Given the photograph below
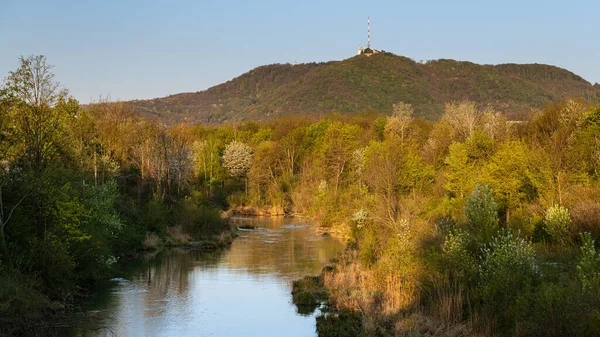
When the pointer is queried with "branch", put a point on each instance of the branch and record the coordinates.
(13, 209)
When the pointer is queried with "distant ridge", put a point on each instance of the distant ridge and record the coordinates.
(361, 84)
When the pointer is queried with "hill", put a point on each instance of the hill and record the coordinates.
(360, 84)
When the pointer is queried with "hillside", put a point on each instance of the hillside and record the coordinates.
(374, 83)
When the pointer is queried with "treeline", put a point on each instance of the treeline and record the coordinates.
(81, 190)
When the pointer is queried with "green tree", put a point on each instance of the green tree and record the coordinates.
(508, 173)
(462, 172)
(38, 123)
(482, 212)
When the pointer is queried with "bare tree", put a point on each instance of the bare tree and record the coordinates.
(402, 116)
(462, 117)
(494, 124)
(34, 84)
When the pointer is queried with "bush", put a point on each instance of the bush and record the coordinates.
(308, 293)
(342, 324)
(557, 223)
(588, 267)
(482, 212)
(22, 304)
(508, 269)
(199, 220)
(156, 216)
(456, 254)
(586, 218)
(445, 225)
(557, 310)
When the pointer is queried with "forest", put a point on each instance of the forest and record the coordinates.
(359, 84)
(470, 225)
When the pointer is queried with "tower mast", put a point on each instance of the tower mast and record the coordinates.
(369, 32)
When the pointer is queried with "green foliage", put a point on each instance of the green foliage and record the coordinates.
(22, 303)
(457, 256)
(508, 268)
(340, 324)
(557, 310)
(101, 180)
(482, 212)
(588, 267)
(360, 84)
(308, 293)
(557, 221)
(368, 245)
(461, 172)
(199, 220)
(156, 216)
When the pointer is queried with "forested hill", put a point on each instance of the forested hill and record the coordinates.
(361, 83)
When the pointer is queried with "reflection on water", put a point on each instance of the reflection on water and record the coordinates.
(242, 291)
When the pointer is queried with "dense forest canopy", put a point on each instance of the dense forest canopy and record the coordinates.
(472, 223)
(372, 84)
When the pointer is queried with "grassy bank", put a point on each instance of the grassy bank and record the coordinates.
(467, 277)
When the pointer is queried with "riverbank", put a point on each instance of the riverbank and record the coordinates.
(191, 292)
(33, 311)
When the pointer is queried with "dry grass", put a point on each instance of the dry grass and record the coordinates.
(586, 217)
(152, 241)
(369, 289)
(178, 235)
(226, 237)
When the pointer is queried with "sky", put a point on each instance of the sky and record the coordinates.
(125, 49)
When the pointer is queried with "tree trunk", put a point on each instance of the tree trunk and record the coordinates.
(3, 249)
(95, 170)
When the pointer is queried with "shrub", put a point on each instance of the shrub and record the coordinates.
(556, 310)
(586, 218)
(557, 223)
(482, 211)
(152, 241)
(508, 269)
(342, 324)
(361, 218)
(308, 293)
(588, 267)
(199, 220)
(22, 304)
(156, 216)
(445, 225)
(456, 254)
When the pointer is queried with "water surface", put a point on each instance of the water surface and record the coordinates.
(241, 291)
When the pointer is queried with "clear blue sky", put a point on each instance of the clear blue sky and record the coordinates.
(144, 49)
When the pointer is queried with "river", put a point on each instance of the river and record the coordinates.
(244, 290)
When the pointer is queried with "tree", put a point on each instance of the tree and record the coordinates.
(34, 84)
(494, 124)
(237, 158)
(462, 171)
(38, 124)
(392, 169)
(400, 120)
(508, 173)
(462, 117)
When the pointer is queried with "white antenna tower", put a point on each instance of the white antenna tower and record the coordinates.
(369, 32)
